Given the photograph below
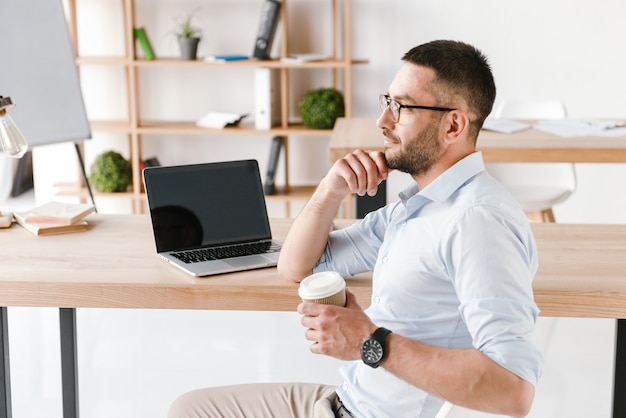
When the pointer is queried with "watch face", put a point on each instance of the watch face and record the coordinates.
(371, 351)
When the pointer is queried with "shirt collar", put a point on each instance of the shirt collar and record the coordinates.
(449, 181)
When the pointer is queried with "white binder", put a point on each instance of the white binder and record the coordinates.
(266, 98)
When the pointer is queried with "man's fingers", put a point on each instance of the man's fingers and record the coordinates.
(364, 171)
(351, 300)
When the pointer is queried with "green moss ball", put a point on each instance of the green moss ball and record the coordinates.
(110, 172)
(320, 108)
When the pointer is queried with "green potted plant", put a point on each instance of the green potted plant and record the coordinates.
(320, 108)
(110, 172)
(188, 37)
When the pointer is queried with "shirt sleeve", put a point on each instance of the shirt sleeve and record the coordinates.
(491, 259)
(354, 249)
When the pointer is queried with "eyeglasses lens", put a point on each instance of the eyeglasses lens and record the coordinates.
(385, 101)
(382, 102)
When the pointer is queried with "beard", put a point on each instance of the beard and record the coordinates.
(419, 154)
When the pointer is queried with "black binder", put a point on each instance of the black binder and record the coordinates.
(269, 187)
(267, 29)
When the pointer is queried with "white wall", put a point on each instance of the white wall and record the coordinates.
(566, 50)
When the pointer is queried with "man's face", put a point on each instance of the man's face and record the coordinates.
(418, 153)
(413, 143)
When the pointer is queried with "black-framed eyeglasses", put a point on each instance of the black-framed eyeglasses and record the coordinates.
(385, 101)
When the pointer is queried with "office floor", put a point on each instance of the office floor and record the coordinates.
(133, 363)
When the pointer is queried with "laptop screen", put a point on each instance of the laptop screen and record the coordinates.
(206, 204)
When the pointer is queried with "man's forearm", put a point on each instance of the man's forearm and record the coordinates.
(464, 377)
(308, 235)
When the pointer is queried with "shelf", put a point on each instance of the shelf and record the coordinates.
(244, 128)
(72, 189)
(138, 70)
(116, 126)
(294, 193)
(75, 189)
(252, 63)
(304, 193)
(101, 60)
(190, 128)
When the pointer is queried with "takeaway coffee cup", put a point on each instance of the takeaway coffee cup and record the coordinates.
(327, 287)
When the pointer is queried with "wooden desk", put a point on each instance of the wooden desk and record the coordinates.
(526, 146)
(124, 271)
(582, 273)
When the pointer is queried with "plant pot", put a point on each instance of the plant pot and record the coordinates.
(188, 48)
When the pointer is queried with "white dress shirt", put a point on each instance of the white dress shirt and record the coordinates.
(452, 267)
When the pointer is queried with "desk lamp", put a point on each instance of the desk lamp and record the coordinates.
(13, 142)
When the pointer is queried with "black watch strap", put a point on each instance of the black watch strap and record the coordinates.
(380, 334)
(373, 348)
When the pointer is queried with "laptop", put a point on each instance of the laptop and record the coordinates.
(210, 218)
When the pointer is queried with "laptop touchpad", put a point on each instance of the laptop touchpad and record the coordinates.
(250, 260)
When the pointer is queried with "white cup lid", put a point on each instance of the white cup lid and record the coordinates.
(321, 285)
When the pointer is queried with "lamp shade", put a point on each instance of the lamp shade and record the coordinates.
(13, 142)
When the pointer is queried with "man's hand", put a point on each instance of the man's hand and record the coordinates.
(336, 331)
(359, 172)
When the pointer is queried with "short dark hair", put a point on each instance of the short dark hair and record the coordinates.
(461, 71)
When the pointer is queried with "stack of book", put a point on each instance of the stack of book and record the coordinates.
(55, 218)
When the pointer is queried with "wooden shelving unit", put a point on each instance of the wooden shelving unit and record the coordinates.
(136, 128)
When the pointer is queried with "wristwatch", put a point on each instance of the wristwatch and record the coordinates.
(373, 347)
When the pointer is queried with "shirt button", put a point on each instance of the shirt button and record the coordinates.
(377, 299)
(384, 259)
(345, 387)
(404, 223)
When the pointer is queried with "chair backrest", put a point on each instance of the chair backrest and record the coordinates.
(529, 176)
(530, 109)
(449, 410)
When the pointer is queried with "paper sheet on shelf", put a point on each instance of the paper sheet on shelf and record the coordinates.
(301, 58)
(582, 127)
(220, 120)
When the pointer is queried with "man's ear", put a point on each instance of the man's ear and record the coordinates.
(457, 124)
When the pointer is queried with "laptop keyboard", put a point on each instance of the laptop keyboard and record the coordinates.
(229, 251)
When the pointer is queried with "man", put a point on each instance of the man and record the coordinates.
(452, 315)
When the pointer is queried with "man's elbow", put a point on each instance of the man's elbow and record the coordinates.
(521, 400)
(288, 273)
(512, 397)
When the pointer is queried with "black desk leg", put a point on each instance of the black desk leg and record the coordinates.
(5, 370)
(619, 378)
(69, 365)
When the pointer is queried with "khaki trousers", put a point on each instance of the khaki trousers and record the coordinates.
(262, 400)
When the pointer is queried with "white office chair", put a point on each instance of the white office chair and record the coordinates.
(449, 410)
(536, 186)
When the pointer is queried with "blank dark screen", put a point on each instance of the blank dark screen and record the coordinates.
(206, 204)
